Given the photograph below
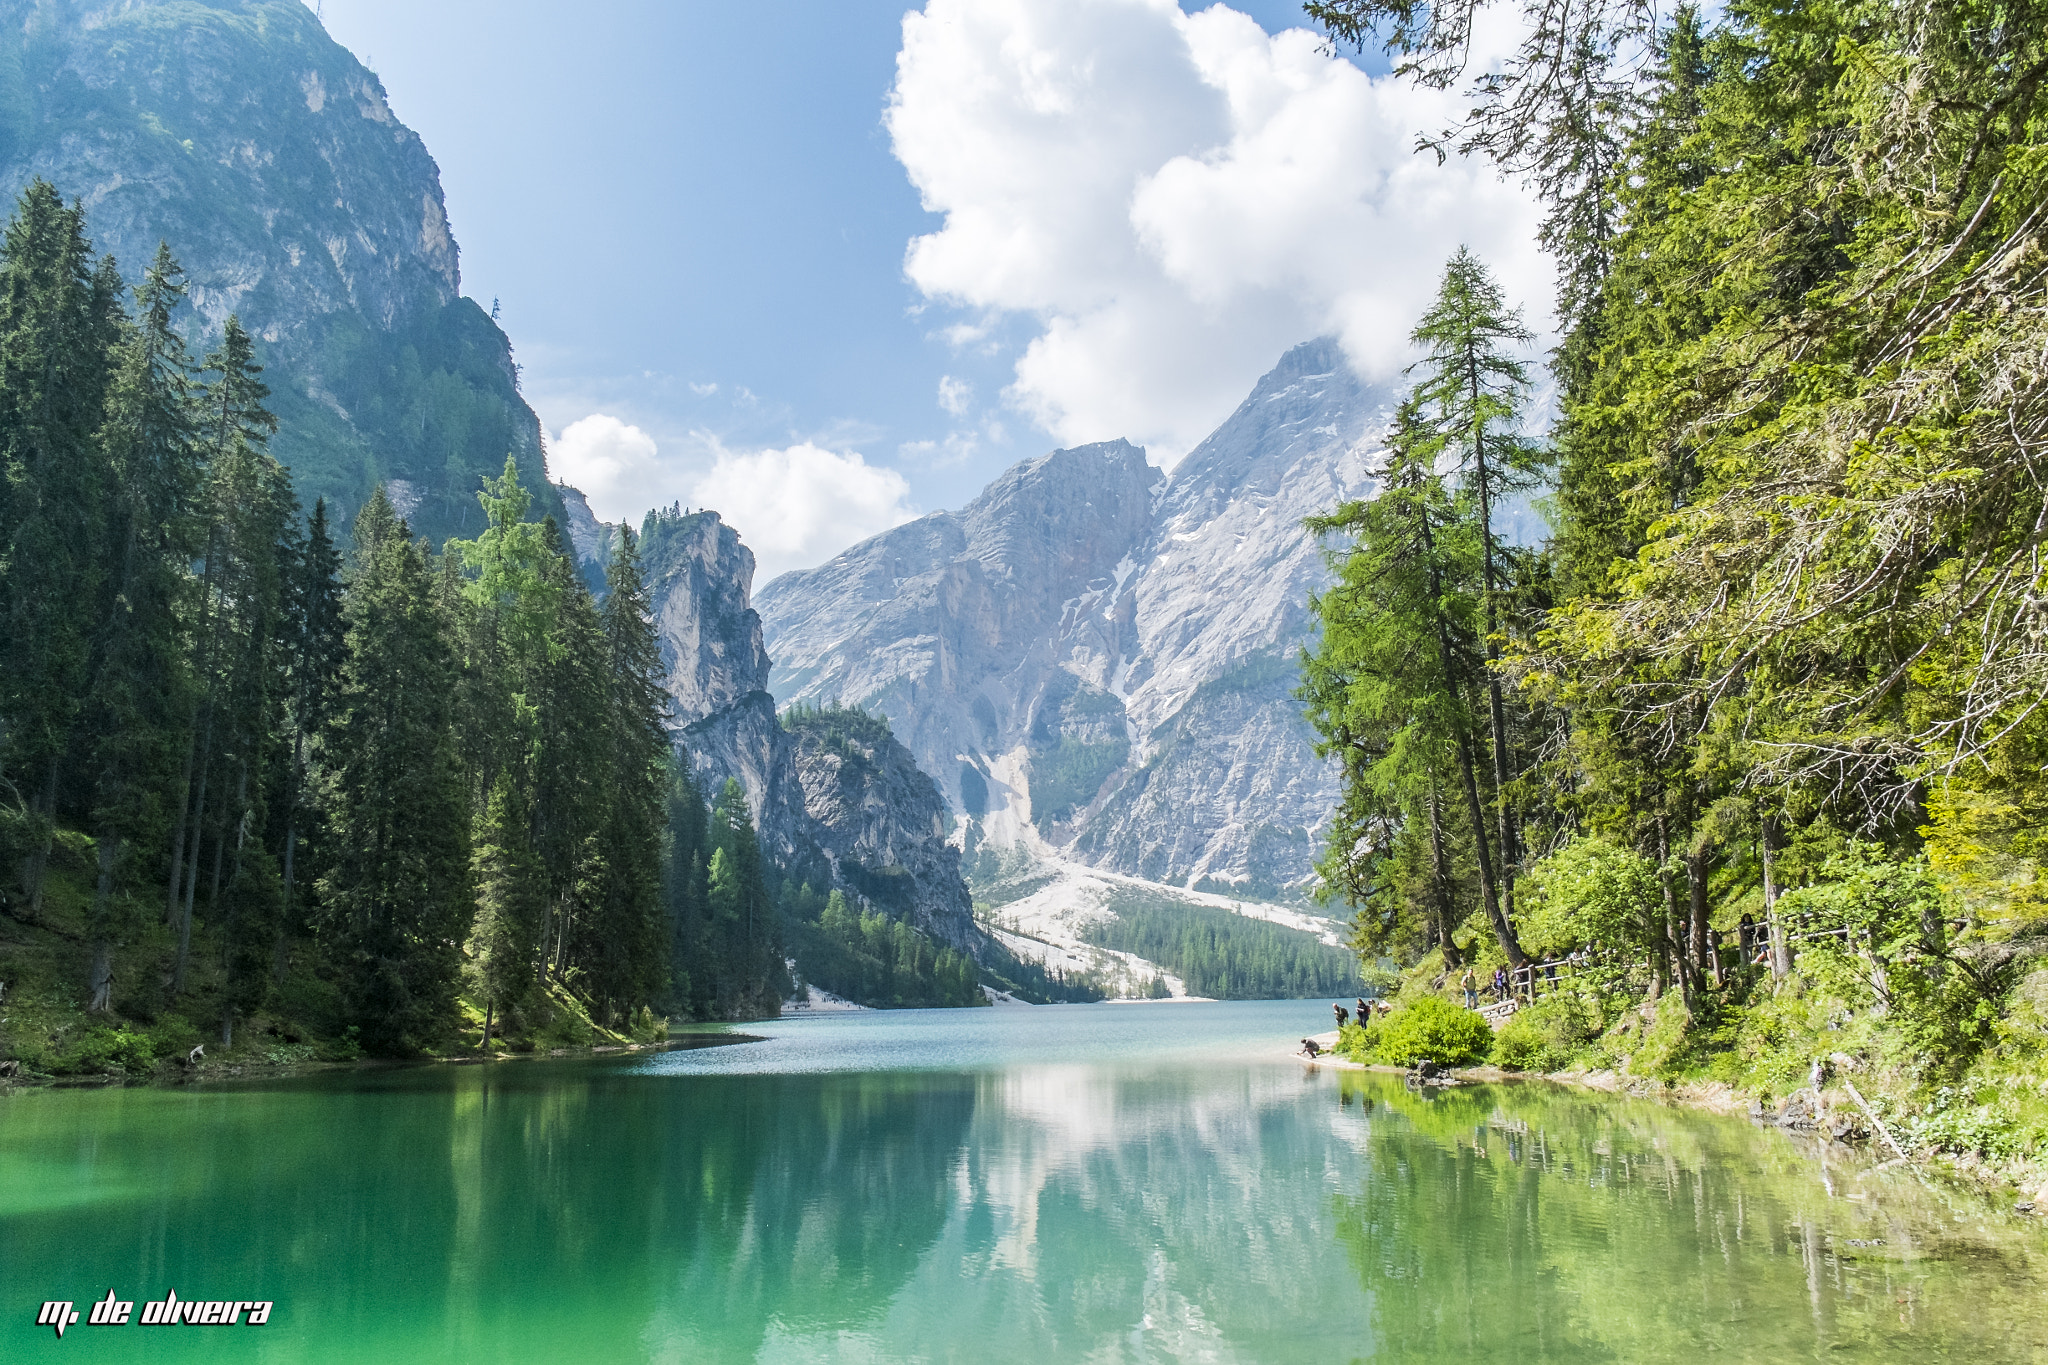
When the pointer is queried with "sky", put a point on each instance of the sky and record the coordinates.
(831, 264)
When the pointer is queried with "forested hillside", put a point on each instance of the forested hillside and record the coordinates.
(1761, 726)
(370, 796)
(242, 133)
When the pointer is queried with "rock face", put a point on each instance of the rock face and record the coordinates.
(878, 823)
(837, 799)
(268, 158)
(1096, 660)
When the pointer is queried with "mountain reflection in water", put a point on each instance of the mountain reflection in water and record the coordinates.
(1099, 1183)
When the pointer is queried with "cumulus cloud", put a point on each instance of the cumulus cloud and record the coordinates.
(955, 394)
(614, 463)
(800, 506)
(793, 507)
(1177, 199)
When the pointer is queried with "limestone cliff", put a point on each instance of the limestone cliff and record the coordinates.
(1096, 660)
(837, 799)
(269, 159)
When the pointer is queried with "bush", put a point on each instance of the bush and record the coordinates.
(1354, 1043)
(105, 1051)
(1432, 1028)
(1548, 1035)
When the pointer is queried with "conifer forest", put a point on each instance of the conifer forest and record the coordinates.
(386, 796)
(1749, 750)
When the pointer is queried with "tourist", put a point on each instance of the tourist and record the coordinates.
(1471, 985)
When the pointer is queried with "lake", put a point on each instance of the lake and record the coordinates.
(1077, 1183)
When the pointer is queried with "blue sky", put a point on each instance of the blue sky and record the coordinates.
(696, 221)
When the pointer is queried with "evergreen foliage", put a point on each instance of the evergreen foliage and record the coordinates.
(1224, 955)
(1775, 681)
(397, 800)
(862, 954)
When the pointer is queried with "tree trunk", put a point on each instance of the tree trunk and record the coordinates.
(1510, 852)
(1673, 948)
(1503, 927)
(1706, 961)
(291, 848)
(1781, 947)
(39, 861)
(1440, 889)
(100, 985)
(178, 829)
(205, 762)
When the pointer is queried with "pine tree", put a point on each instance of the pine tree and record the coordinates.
(1395, 682)
(685, 895)
(1470, 398)
(623, 946)
(504, 944)
(58, 316)
(396, 902)
(139, 688)
(249, 506)
(746, 943)
(314, 652)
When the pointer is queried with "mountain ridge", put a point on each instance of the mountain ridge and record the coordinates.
(1133, 711)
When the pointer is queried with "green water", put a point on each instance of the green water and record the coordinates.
(1087, 1183)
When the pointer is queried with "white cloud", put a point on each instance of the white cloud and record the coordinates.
(1177, 199)
(955, 394)
(793, 507)
(800, 506)
(614, 464)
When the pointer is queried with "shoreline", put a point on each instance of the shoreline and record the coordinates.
(1717, 1097)
(213, 1073)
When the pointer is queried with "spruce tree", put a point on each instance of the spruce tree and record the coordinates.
(314, 651)
(139, 686)
(57, 320)
(623, 946)
(1469, 399)
(396, 903)
(249, 507)
(509, 902)
(1396, 685)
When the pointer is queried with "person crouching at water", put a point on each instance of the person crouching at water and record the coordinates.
(1471, 985)
(1311, 1048)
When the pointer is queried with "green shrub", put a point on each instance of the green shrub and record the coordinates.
(107, 1051)
(1354, 1043)
(1548, 1035)
(1432, 1028)
(649, 1027)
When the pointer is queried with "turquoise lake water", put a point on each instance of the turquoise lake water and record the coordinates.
(1080, 1183)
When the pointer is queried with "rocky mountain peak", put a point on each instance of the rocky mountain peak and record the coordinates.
(700, 577)
(1096, 660)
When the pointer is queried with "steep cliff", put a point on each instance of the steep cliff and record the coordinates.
(1095, 660)
(837, 799)
(876, 824)
(268, 158)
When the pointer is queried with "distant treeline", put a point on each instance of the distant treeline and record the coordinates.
(1228, 956)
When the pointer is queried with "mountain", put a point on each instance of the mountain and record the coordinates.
(269, 159)
(1096, 660)
(838, 801)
